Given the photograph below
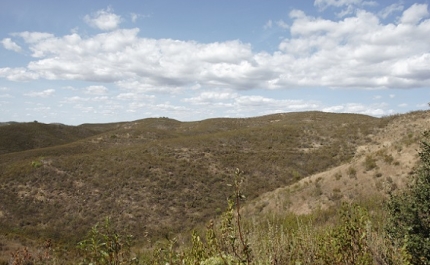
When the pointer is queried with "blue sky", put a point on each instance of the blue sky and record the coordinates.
(97, 61)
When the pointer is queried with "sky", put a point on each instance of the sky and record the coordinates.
(76, 62)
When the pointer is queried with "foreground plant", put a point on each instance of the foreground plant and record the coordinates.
(223, 245)
(409, 222)
(104, 245)
(23, 256)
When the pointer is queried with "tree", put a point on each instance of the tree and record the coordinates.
(409, 212)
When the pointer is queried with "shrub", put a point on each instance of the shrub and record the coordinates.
(348, 242)
(369, 163)
(409, 219)
(104, 245)
(352, 172)
(338, 175)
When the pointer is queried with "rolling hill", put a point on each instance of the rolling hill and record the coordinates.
(158, 177)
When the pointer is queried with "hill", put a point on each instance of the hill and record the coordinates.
(382, 165)
(17, 137)
(157, 177)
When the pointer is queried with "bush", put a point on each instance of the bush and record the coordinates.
(369, 163)
(347, 243)
(106, 246)
(409, 220)
(352, 173)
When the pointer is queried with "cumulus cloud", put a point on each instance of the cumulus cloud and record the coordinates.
(34, 37)
(414, 14)
(18, 74)
(45, 93)
(96, 90)
(8, 44)
(103, 19)
(357, 51)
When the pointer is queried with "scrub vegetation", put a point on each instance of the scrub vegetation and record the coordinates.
(315, 188)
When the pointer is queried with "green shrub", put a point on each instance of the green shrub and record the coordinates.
(105, 245)
(348, 242)
(409, 219)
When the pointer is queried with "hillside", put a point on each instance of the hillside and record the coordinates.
(157, 177)
(16, 137)
(384, 164)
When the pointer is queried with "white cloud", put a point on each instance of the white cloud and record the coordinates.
(357, 51)
(373, 110)
(8, 44)
(208, 97)
(414, 14)
(74, 99)
(96, 90)
(387, 11)
(134, 96)
(282, 24)
(33, 37)
(18, 74)
(45, 93)
(103, 19)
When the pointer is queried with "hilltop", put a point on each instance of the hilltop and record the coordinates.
(158, 177)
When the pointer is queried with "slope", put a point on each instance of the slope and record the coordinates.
(382, 165)
(16, 137)
(157, 177)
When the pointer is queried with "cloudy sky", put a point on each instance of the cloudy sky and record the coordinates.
(100, 61)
